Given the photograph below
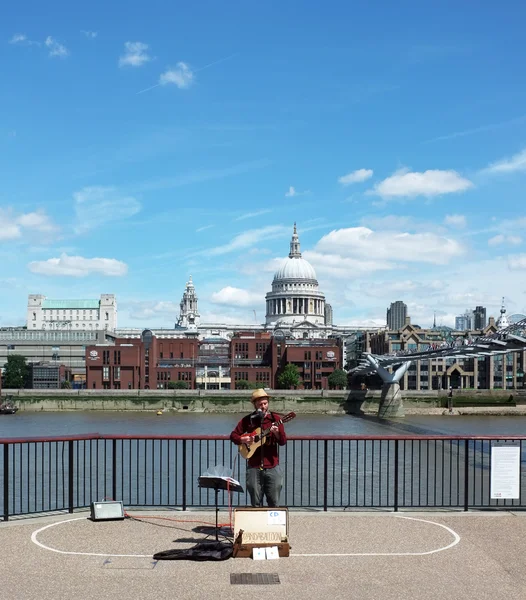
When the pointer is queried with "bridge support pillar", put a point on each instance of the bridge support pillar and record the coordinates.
(391, 404)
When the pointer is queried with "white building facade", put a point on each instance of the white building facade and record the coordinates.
(72, 315)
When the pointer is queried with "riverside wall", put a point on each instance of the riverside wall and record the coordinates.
(283, 401)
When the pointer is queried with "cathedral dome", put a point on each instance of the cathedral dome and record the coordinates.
(295, 268)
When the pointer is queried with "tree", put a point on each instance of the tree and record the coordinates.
(338, 379)
(177, 385)
(65, 385)
(289, 377)
(241, 384)
(16, 372)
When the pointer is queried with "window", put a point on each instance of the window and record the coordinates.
(116, 373)
(105, 357)
(307, 355)
(116, 357)
(105, 373)
(107, 316)
(34, 316)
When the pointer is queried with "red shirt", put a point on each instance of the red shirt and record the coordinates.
(269, 446)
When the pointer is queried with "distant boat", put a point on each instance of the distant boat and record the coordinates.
(7, 408)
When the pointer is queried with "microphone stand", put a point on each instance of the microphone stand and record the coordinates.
(259, 416)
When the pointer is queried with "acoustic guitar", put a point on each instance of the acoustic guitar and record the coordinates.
(259, 436)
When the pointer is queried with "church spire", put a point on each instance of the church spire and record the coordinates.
(295, 245)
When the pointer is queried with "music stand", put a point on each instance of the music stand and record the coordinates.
(219, 482)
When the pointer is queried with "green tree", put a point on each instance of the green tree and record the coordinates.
(16, 372)
(289, 377)
(66, 385)
(177, 385)
(338, 379)
(241, 384)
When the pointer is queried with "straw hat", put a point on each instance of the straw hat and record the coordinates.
(257, 394)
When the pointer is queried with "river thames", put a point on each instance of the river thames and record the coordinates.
(30, 424)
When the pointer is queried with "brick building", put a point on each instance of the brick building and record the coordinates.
(251, 361)
(147, 362)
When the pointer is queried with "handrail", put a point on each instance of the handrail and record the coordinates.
(111, 436)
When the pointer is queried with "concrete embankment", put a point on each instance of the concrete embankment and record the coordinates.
(465, 402)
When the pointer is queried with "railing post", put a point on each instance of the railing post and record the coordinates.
(114, 469)
(396, 476)
(184, 474)
(71, 473)
(466, 475)
(325, 473)
(6, 482)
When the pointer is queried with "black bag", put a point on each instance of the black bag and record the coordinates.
(200, 552)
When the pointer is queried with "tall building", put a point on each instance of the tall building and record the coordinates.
(72, 315)
(328, 314)
(479, 317)
(396, 315)
(465, 321)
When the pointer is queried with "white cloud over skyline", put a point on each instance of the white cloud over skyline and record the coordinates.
(233, 296)
(429, 183)
(97, 205)
(78, 266)
(356, 176)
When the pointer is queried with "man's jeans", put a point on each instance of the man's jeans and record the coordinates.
(264, 483)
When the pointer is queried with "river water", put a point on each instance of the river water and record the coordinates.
(44, 424)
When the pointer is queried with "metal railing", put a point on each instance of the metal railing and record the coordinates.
(328, 472)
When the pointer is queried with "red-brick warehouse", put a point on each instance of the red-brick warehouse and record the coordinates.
(145, 363)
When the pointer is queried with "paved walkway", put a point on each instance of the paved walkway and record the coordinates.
(377, 556)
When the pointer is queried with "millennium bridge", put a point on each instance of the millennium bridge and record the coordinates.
(392, 367)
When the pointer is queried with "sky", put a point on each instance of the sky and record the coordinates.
(141, 144)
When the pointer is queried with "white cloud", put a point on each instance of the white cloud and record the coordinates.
(455, 220)
(249, 238)
(97, 205)
(78, 266)
(18, 38)
(429, 183)
(147, 310)
(253, 214)
(363, 243)
(135, 55)
(204, 228)
(335, 265)
(499, 239)
(233, 296)
(509, 165)
(90, 34)
(22, 40)
(13, 226)
(291, 193)
(38, 221)
(182, 76)
(517, 262)
(56, 49)
(356, 176)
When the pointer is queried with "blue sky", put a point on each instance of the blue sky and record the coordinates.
(143, 143)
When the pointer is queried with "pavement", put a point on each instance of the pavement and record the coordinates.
(352, 555)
